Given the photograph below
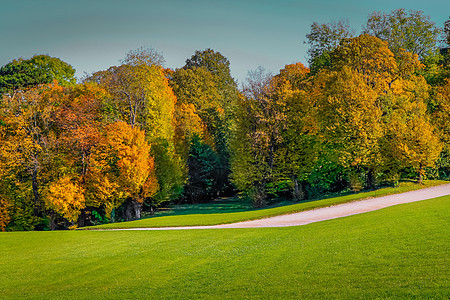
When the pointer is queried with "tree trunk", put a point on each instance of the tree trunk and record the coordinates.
(132, 210)
(420, 174)
(113, 216)
(34, 184)
(370, 179)
(298, 193)
(259, 195)
(52, 223)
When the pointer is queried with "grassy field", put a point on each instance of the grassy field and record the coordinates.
(223, 213)
(400, 252)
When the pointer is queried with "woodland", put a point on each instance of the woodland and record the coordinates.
(372, 108)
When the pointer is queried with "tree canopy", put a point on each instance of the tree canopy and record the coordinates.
(40, 69)
(409, 30)
(370, 110)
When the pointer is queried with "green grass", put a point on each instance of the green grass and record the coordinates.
(219, 213)
(400, 252)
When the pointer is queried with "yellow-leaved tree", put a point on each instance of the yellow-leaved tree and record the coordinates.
(5, 216)
(410, 139)
(121, 170)
(187, 124)
(66, 197)
(259, 122)
(297, 153)
(350, 122)
(141, 96)
(360, 94)
(27, 150)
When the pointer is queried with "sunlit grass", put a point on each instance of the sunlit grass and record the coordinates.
(400, 252)
(212, 214)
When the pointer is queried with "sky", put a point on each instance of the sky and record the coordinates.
(92, 35)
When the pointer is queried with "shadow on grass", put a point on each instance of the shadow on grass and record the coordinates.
(239, 204)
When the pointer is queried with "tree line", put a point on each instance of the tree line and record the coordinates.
(371, 109)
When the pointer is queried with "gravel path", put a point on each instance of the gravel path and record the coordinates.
(326, 213)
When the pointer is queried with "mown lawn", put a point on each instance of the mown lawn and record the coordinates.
(214, 214)
(400, 252)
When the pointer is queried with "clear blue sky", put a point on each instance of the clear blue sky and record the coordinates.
(93, 35)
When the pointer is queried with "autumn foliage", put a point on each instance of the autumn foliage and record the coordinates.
(5, 217)
(121, 168)
(370, 110)
(66, 198)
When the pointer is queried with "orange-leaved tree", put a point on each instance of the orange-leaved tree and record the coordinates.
(141, 96)
(79, 120)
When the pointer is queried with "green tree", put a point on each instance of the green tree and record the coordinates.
(198, 86)
(40, 69)
(324, 38)
(447, 31)
(202, 173)
(218, 65)
(259, 120)
(441, 120)
(205, 82)
(412, 31)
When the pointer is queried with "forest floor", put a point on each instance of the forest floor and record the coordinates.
(327, 213)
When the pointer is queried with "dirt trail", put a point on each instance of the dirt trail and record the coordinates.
(326, 213)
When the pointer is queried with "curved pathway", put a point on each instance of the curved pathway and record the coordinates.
(331, 212)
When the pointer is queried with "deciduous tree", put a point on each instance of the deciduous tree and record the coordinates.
(440, 118)
(412, 31)
(5, 216)
(21, 74)
(29, 137)
(80, 118)
(447, 31)
(122, 169)
(296, 156)
(66, 197)
(205, 82)
(143, 98)
(258, 124)
(372, 59)
(410, 138)
(323, 39)
(350, 120)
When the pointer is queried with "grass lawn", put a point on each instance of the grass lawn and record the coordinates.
(399, 252)
(212, 214)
